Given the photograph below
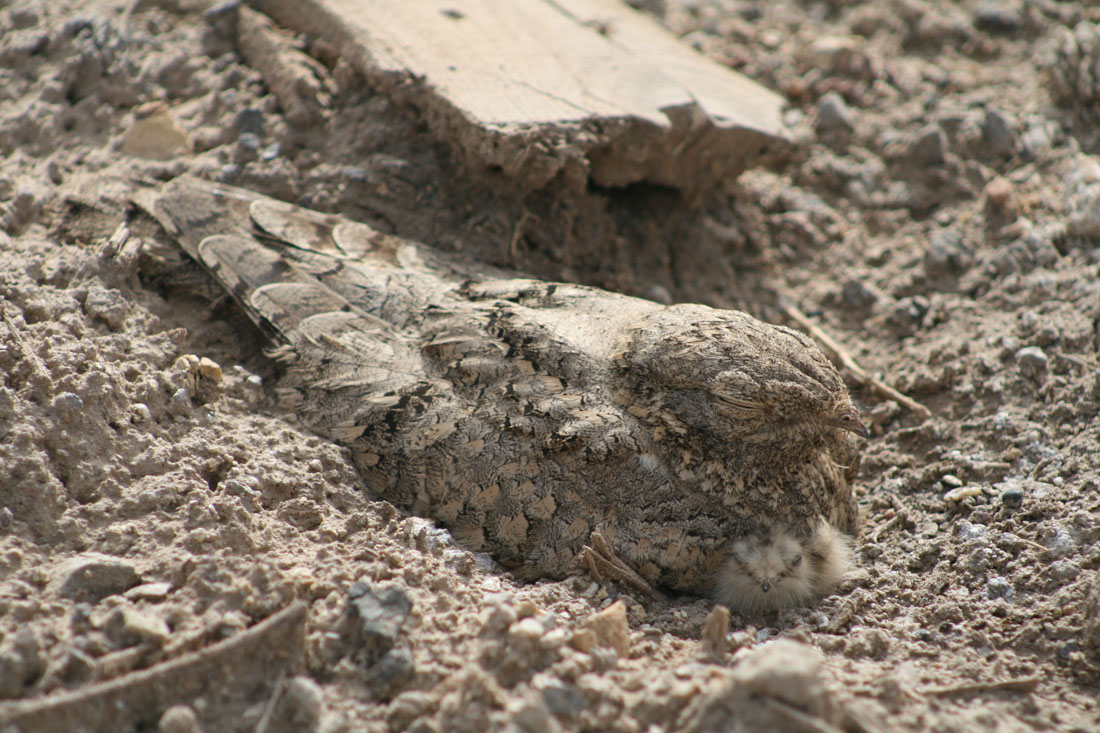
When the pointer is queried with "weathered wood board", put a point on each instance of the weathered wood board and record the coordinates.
(584, 89)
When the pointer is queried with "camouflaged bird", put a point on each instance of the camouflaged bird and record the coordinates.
(541, 421)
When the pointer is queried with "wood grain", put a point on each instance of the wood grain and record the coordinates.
(582, 89)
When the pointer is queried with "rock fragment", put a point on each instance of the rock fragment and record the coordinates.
(715, 629)
(780, 686)
(929, 146)
(833, 114)
(296, 706)
(999, 131)
(1033, 362)
(179, 719)
(107, 305)
(1076, 69)
(375, 617)
(156, 136)
(611, 628)
(126, 626)
(92, 577)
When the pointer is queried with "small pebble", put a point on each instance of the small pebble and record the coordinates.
(858, 293)
(22, 18)
(1012, 497)
(529, 629)
(969, 531)
(913, 308)
(997, 17)
(998, 129)
(585, 640)
(140, 413)
(768, 38)
(1033, 362)
(929, 145)
(91, 577)
(1047, 335)
(178, 719)
(356, 173)
(962, 492)
(249, 141)
(302, 705)
(149, 592)
(1060, 543)
(928, 529)
(658, 294)
(998, 587)
(951, 481)
(833, 114)
(6, 517)
(54, 173)
(998, 192)
(126, 626)
(611, 628)
(1035, 141)
(870, 550)
(250, 122)
(375, 616)
(108, 305)
(979, 560)
(1064, 571)
(68, 401)
(217, 10)
(561, 699)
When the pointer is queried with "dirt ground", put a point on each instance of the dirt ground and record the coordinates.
(940, 219)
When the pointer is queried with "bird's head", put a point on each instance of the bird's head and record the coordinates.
(846, 417)
(765, 571)
(729, 376)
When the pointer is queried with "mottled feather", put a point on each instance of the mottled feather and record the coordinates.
(526, 415)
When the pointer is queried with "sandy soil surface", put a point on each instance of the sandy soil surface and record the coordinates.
(941, 221)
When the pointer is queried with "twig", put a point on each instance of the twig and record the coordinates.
(599, 560)
(883, 528)
(264, 725)
(1034, 545)
(1022, 684)
(845, 612)
(839, 354)
(226, 674)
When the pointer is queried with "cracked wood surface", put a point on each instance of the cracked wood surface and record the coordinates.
(583, 89)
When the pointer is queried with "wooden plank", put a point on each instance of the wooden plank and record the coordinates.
(578, 89)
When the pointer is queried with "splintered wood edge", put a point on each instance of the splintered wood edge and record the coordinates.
(633, 105)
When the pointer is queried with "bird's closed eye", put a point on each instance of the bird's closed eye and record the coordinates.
(850, 422)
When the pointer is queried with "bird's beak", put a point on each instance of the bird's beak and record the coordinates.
(852, 423)
(765, 586)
